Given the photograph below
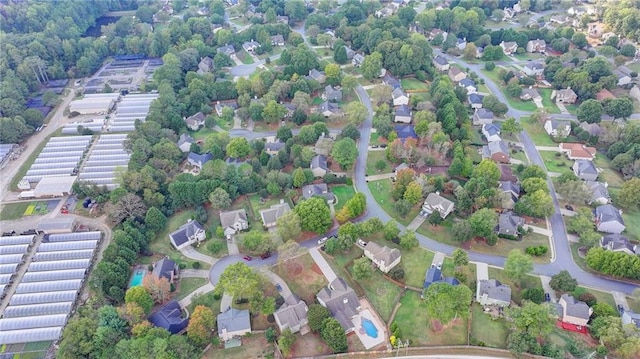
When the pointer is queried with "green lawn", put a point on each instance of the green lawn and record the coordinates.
(504, 246)
(632, 221)
(519, 104)
(602, 297)
(634, 304)
(492, 332)
(608, 174)
(343, 193)
(493, 75)
(201, 134)
(381, 293)
(188, 285)
(207, 300)
(516, 292)
(160, 244)
(572, 109)
(555, 163)
(415, 263)
(634, 67)
(576, 257)
(12, 211)
(414, 85)
(548, 104)
(537, 133)
(373, 157)
(415, 324)
(519, 155)
(308, 283)
(440, 233)
(382, 193)
(527, 56)
(246, 58)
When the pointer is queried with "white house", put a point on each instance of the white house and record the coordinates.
(187, 234)
(400, 97)
(385, 258)
(557, 128)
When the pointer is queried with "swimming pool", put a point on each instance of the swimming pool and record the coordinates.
(369, 328)
(136, 278)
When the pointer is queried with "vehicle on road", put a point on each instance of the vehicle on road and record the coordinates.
(569, 207)
(278, 287)
(322, 240)
(265, 255)
(620, 309)
(247, 258)
(547, 297)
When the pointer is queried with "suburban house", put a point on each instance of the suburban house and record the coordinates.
(578, 151)
(469, 85)
(593, 129)
(328, 109)
(618, 243)
(461, 44)
(323, 145)
(283, 19)
(170, 317)
(270, 215)
(165, 268)
(557, 128)
(187, 234)
(318, 190)
(536, 46)
(564, 96)
(492, 292)
(332, 94)
(585, 170)
(509, 224)
(506, 173)
(405, 131)
(482, 116)
(342, 302)
(533, 68)
(456, 75)
(250, 46)
(479, 52)
(437, 203)
(440, 63)
(292, 314)
(400, 167)
(227, 50)
(319, 166)
(185, 142)
(509, 47)
(435, 32)
(272, 148)
(402, 114)
(558, 19)
(573, 311)
(233, 221)
(596, 30)
(197, 160)
(317, 75)
(205, 65)
(629, 317)
(195, 122)
(357, 60)
(391, 81)
(220, 106)
(599, 192)
(434, 275)
(350, 52)
(399, 97)
(510, 192)
(475, 100)
(609, 219)
(233, 323)
(623, 78)
(497, 151)
(277, 40)
(385, 11)
(383, 257)
(530, 94)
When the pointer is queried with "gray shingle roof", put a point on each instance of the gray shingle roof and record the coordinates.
(608, 213)
(227, 219)
(474, 98)
(508, 223)
(271, 214)
(586, 167)
(383, 253)
(616, 242)
(319, 162)
(495, 290)
(170, 318)
(575, 308)
(484, 113)
(292, 313)
(508, 186)
(598, 189)
(403, 110)
(164, 268)
(234, 320)
(341, 300)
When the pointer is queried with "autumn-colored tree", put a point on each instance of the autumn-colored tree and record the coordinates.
(133, 313)
(140, 296)
(141, 329)
(159, 288)
(403, 178)
(200, 325)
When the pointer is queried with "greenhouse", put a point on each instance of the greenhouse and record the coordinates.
(14, 249)
(41, 321)
(76, 236)
(62, 255)
(53, 275)
(8, 268)
(42, 287)
(38, 309)
(30, 335)
(5, 278)
(67, 246)
(11, 258)
(23, 239)
(59, 265)
(37, 298)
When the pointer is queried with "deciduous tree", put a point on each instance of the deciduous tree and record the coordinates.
(534, 319)
(371, 66)
(155, 219)
(590, 111)
(238, 147)
(563, 282)
(286, 341)
(460, 257)
(362, 268)
(629, 195)
(219, 198)
(345, 152)
(409, 240)
(517, 266)
(140, 296)
(315, 215)
(483, 222)
(316, 316)
(333, 334)
(356, 112)
(159, 288)
(256, 242)
(239, 281)
(201, 324)
(289, 226)
(446, 302)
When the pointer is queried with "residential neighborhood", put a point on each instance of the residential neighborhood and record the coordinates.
(298, 179)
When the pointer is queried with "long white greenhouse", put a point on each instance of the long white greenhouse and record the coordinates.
(60, 156)
(11, 258)
(75, 236)
(37, 309)
(53, 275)
(41, 321)
(14, 249)
(62, 255)
(59, 265)
(67, 246)
(4, 278)
(8, 268)
(37, 298)
(33, 335)
(22, 239)
(57, 286)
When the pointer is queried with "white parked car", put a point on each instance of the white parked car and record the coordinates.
(322, 240)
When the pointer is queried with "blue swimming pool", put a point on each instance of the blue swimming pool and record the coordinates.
(136, 279)
(369, 328)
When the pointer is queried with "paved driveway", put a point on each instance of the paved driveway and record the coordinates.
(191, 252)
(322, 263)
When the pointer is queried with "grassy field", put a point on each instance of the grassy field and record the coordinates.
(521, 105)
(245, 58)
(493, 75)
(415, 324)
(602, 297)
(632, 221)
(554, 163)
(308, 283)
(382, 193)
(381, 293)
(634, 304)
(537, 133)
(414, 85)
(440, 233)
(516, 292)
(161, 243)
(415, 263)
(492, 332)
(12, 211)
(504, 246)
(373, 157)
(188, 285)
(608, 174)
(634, 67)
(548, 104)
(343, 193)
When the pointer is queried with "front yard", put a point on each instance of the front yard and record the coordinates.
(538, 135)
(529, 281)
(373, 157)
(381, 191)
(303, 276)
(414, 85)
(186, 286)
(504, 246)
(343, 193)
(556, 162)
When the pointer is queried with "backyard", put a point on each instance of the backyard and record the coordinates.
(538, 135)
(343, 194)
(414, 85)
(161, 243)
(415, 324)
(504, 246)
(373, 157)
(303, 276)
(529, 281)
(608, 174)
(13, 211)
(492, 332)
(556, 162)
(415, 263)
(382, 193)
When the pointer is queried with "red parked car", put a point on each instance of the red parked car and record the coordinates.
(247, 258)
